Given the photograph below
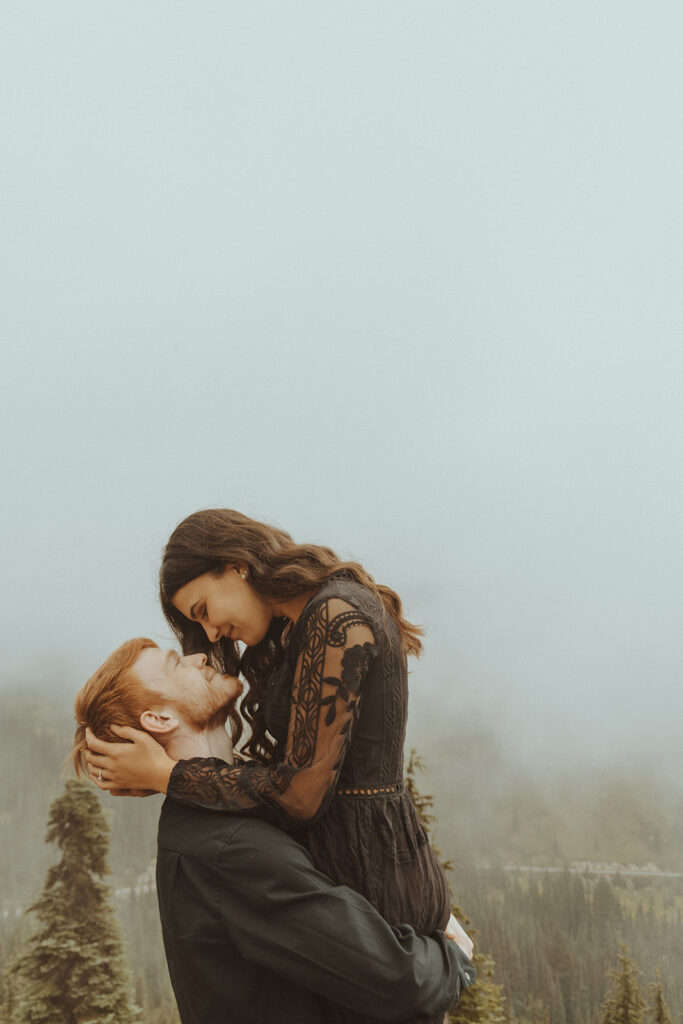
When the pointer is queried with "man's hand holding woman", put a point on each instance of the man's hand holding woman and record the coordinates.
(457, 934)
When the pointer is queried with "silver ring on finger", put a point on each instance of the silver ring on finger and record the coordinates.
(99, 775)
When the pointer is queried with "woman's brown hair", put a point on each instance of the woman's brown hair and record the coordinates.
(279, 569)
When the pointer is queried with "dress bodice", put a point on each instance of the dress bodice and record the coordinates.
(374, 757)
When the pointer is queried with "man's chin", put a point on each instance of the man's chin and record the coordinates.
(218, 718)
(201, 719)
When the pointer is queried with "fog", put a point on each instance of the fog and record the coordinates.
(402, 279)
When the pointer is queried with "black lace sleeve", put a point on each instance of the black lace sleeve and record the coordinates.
(336, 650)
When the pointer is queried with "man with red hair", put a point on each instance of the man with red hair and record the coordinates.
(253, 932)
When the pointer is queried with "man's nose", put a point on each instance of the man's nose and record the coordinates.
(200, 660)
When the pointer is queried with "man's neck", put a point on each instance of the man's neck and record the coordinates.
(186, 743)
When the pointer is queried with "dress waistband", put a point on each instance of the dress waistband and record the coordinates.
(368, 790)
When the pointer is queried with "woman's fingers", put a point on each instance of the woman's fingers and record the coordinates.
(137, 763)
(98, 778)
(98, 767)
(128, 732)
(98, 759)
(104, 759)
(109, 786)
(96, 745)
(104, 754)
(105, 785)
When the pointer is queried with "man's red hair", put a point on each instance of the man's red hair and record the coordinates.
(114, 695)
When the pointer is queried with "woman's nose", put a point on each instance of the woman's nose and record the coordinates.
(213, 633)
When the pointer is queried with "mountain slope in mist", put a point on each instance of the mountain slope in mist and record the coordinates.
(493, 805)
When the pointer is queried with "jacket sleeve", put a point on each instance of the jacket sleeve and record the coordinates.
(336, 652)
(282, 913)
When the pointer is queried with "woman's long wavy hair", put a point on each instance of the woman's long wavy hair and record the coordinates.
(279, 569)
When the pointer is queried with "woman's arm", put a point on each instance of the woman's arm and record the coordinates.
(336, 652)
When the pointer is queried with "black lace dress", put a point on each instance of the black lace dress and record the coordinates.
(337, 707)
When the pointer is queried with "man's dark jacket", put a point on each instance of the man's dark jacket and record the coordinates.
(254, 934)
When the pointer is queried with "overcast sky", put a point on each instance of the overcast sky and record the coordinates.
(402, 278)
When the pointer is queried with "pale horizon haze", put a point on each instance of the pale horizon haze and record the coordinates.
(403, 279)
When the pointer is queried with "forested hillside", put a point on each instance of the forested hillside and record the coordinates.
(493, 805)
(553, 937)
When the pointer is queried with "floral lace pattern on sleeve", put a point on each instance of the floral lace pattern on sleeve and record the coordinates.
(337, 649)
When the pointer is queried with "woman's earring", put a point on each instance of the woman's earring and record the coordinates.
(243, 574)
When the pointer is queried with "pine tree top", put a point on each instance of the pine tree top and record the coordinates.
(659, 1010)
(78, 826)
(624, 1003)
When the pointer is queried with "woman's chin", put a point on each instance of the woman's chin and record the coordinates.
(249, 641)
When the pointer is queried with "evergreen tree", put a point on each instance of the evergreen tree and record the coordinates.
(658, 1009)
(483, 1002)
(560, 961)
(72, 968)
(3, 984)
(624, 1003)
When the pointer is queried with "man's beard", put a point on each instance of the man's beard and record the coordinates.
(215, 719)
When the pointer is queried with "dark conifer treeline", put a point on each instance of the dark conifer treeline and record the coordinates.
(555, 937)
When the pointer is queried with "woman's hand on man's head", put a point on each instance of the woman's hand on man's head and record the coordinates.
(136, 767)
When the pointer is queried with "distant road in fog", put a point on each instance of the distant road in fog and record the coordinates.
(597, 869)
(146, 882)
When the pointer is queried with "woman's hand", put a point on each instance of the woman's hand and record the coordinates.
(141, 766)
(457, 934)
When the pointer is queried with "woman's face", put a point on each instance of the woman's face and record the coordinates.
(225, 606)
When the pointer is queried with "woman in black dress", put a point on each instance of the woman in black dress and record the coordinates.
(325, 661)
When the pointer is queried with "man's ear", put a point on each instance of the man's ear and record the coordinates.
(159, 723)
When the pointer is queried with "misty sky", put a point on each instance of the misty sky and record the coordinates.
(402, 278)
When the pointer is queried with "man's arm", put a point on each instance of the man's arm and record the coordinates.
(282, 913)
